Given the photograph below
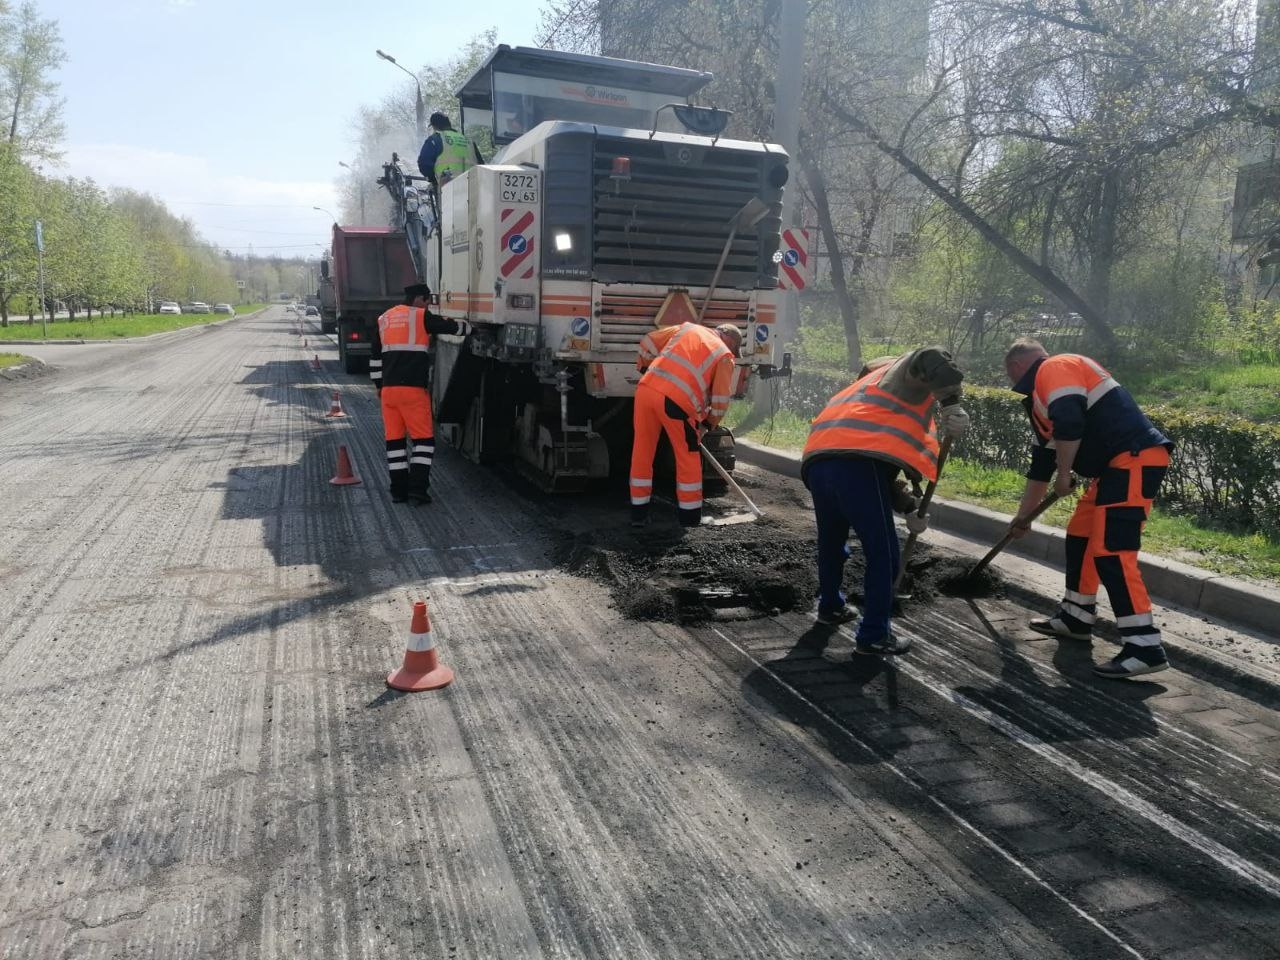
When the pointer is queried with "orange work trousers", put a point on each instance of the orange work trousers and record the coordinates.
(654, 415)
(1104, 536)
(408, 410)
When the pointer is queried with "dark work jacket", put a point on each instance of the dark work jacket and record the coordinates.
(405, 368)
(1112, 425)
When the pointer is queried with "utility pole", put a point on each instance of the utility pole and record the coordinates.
(44, 325)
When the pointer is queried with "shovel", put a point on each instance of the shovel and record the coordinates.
(910, 546)
(724, 475)
(1049, 500)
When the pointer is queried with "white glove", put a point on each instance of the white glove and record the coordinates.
(464, 328)
(917, 524)
(955, 421)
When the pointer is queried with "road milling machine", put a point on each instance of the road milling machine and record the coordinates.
(610, 204)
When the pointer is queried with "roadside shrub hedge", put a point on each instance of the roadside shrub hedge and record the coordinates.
(1225, 469)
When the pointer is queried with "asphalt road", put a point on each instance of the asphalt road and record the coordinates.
(200, 759)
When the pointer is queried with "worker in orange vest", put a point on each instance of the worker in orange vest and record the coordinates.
(868, 433)
(687, 382)
(1084, 421)
(400, 367)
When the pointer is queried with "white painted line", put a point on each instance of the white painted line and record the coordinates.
(942, 805)
(1051, 674)
(469, 546)
(1128, 799)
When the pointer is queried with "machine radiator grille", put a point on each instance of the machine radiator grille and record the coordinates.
(626, 317)
(667, 223)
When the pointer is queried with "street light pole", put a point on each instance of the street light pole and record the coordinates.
(359, 186)
(419, 109)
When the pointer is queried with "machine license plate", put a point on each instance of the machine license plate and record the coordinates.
(519, 188)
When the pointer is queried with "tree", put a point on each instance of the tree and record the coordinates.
(17, 226)
(389, 127)
(30, 53)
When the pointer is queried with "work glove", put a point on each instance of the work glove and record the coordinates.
(917, 524)
(903, 501)
(955, 421)
(464, 328)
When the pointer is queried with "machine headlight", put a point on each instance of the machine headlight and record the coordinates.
(564, 242)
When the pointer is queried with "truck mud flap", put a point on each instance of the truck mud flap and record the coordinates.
(459, 374)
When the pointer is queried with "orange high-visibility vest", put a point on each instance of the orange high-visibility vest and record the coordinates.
(404, 329)
(864, 419)
(691, 365)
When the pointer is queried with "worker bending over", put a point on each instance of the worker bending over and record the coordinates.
(687, 384)
(867, 434)
(400, 366)
(1084, 421)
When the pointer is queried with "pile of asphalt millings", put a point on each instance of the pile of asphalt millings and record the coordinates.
(932, 572)
(734, 572)
(661, 572)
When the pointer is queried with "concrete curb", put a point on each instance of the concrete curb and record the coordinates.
(73, 341)
(1225, 598)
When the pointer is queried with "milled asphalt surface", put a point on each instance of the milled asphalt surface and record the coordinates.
(201, 760)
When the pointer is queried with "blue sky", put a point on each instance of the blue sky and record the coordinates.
(236, 113)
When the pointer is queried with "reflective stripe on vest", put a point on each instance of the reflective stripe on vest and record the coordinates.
(1066, 375)
(403, 330)
(684, 369)
(863, 418)
(454, 151)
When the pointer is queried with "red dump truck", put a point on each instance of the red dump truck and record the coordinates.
(370, 267)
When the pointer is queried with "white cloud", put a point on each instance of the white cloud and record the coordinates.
(229, 210)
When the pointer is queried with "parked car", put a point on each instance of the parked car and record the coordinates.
(224, 308)
(312, 312)
(168, 306)
(199, 307)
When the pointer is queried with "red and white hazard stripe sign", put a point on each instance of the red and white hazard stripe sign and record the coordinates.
(793, 268)
(517, 242)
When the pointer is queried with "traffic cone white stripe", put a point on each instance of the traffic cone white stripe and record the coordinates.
(420, 642)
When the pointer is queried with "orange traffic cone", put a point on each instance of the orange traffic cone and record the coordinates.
(421, 670)
(315, 361)
(345, 475)
(335, 408)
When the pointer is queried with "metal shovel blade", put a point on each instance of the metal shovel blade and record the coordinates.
(732, 519)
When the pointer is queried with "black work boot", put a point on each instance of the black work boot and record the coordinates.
(399, 486)
(639, 514)
(1134, 661)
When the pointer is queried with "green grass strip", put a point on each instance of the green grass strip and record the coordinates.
(108, 328)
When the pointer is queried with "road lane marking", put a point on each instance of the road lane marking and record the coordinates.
(940, 804)
(1046, 672)
(1223, 855)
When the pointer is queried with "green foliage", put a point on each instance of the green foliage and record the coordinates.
(30, 54)
(1223, 469)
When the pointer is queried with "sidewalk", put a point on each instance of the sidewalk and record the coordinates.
(1189, 588)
